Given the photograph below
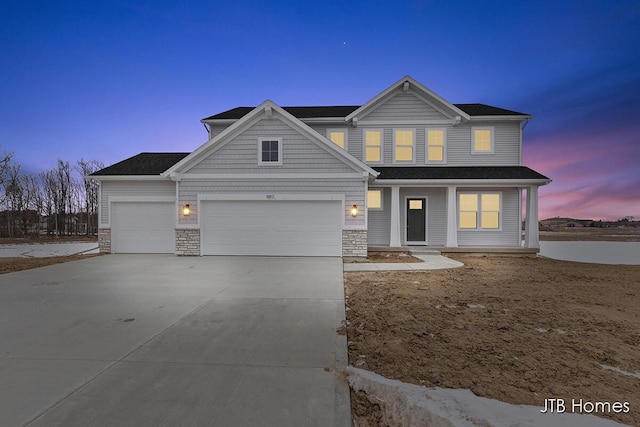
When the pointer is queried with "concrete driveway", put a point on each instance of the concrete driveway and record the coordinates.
(160, 340)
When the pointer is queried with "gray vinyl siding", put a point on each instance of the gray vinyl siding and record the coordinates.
(404, 106)
(354, 137)
(215, 130)
(506, 145)
(380, 221)
(436, 214)
(510, 233)
(353, 190)
(142, 189)
(299, 154)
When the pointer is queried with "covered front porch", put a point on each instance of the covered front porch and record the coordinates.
(465, 214)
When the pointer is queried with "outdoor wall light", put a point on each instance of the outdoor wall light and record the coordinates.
(186, 210)
(354, 211)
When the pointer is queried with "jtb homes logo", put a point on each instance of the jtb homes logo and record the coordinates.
(580, 406)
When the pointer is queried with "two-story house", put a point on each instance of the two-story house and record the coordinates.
(406, 168)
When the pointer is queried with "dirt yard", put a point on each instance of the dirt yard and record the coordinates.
(517, 329)
(9, 265)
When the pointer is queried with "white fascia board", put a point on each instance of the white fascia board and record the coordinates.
(337, 120)
(264, 176)
(219, 121)
(460, 182)
(426, 93)
(129, 178)
(499, 118)
(396, 123)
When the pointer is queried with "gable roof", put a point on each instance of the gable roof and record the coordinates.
(460, 172)
(267, 107)
(407, 81)
(298, 112)
(341, 111)
(142, 164)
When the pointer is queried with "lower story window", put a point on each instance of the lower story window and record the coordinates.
(374, 199)
(479, 211)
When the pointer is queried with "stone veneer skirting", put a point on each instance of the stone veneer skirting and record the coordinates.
(104, 240)
(188, 241)
(354, 243)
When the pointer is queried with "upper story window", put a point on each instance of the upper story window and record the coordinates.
(270, 151)
(404, 146)
(338, 137)
(374, 199)
(372, 146)
(436, 146)
(479, 211)
(482, 140)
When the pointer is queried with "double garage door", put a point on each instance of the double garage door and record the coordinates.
(273, 227)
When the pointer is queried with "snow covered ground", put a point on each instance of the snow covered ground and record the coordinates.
(39, 250)
(411, 405)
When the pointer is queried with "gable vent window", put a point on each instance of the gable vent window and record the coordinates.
(270, 151)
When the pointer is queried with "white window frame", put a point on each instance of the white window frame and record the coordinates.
(379, 190)
(413, 147)
(381, 146)
(266, 163)
(444, 147)
(346, 137)
(473, 139)
(479, 212)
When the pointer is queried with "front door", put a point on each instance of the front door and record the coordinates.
(416, 220)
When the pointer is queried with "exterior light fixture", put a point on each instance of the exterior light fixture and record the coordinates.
(186, 210)
(354, 211)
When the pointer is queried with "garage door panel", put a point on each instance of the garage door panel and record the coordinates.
(143, 227)
(286, 228)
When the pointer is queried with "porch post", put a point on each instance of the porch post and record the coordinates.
(394, 236)
(531, 237)
(452, 215)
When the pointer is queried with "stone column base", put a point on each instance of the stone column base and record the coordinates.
(188, 241)
(104, 240)
(354, 243)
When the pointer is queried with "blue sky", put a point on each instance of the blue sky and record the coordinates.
(107, 80)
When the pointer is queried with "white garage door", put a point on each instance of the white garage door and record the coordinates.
(273, 227)
(143, 227)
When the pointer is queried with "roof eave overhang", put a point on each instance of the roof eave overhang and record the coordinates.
(462, 182)
(494, 118)
(127, 177)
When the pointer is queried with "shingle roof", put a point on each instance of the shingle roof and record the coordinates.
(458, 172)
(143, 164)
(345, 110)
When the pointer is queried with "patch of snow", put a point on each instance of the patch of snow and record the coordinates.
(620, 371)
(476, 306)
(542, 330)
(412, 405)
(560, 331)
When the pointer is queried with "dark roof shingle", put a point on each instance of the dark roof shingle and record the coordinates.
(345, 110)
(458, 172)
(143, 164)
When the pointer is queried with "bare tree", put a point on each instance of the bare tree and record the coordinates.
(91, 191)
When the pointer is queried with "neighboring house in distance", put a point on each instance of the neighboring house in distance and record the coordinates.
(405, 168)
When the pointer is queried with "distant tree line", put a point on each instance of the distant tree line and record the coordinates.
(59, 201)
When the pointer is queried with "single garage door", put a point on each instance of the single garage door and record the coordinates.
(143, 227)
(272, 227)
